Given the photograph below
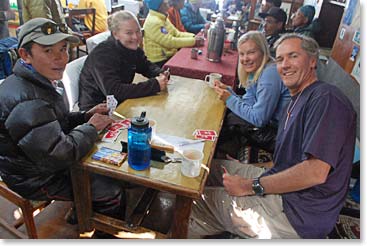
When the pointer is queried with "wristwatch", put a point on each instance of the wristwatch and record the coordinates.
(257, 187)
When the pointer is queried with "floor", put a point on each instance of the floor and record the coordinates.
(51, 222)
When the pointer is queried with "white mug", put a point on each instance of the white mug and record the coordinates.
(153, 125)
(212, 77)
(191, 162)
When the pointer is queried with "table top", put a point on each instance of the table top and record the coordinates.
(189, 104)
(181, 64)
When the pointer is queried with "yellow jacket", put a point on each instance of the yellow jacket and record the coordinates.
(162, 39)
(101, 14)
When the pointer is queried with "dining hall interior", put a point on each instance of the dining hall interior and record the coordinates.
(184, 97)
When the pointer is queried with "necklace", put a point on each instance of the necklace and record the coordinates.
(290, 109)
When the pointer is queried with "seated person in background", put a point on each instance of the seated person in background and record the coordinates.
(275, 20)
(49, 9)
(302, 195)
(111, 66)
(268, 4)
(40, 140)
(191, 17)
(161, 38)
(264, 8)
(101, 14)
(174, 14)
(262, 104)
(302, 21)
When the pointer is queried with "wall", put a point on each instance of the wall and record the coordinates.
(346, 47)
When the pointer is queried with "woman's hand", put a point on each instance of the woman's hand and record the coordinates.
(220, 84)
(163, 81)
(222, 93)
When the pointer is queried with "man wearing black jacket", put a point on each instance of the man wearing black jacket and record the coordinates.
(39, 138)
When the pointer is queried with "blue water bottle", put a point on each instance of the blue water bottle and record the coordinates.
(138, 143)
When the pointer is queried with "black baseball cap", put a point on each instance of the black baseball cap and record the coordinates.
(277, 13)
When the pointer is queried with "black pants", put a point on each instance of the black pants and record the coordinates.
(237, 133)
(108, 196)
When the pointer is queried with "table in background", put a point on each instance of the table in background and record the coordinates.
(188, 105)
(181, 64)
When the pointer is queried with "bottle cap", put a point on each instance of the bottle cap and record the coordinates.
(140, 122)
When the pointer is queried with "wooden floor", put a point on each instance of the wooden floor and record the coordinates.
(51, 222)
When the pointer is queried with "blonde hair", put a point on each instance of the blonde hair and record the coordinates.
(116, 18)
(262, 44)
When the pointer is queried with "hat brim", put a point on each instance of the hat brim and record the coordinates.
(263, 15)
(55, 38)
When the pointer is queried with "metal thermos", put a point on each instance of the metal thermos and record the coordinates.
(138, 143)
(216, 35)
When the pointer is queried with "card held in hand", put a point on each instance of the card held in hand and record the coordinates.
(109, 156)
(111, 104)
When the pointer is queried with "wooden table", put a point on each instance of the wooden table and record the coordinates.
(188, 104)
(181, 64)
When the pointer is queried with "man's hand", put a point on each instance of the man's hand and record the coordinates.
(99, 108)
(100, 121)
(207, 25)
(237, 186)
(222, 93)
(163, 81)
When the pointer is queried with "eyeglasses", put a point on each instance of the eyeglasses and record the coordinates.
(47, 28)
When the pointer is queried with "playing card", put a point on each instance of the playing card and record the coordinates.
(111, 104)
(206, 137)
(126, 123)
(116, 126)
(110, 136)
(204, 132)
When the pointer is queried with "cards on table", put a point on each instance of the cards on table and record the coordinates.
(109, 156)
(209, 135)
(119, 125)
(111, 104)
(111, 136)
(114, 130)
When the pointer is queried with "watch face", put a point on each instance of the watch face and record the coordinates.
(257, 188)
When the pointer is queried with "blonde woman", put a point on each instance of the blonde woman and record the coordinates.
(111, 66)
(255, 115)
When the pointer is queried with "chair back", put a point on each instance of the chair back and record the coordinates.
(96, 39)
(80, 14)
(70, 80)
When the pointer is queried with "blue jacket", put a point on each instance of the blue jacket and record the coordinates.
(192, 21)
(264, 100)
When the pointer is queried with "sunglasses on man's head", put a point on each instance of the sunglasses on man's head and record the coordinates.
(47, 28)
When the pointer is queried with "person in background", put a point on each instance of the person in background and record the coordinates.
(49, 9)
(5, 14)
(268, 4)
(40, 140)
(174, 14)
(262, 104)
(275, 20)
(161, 39)
(101, 14)
(302, 21)
(111, 66)
(302, 195)
(191, 17)
(264, 8)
